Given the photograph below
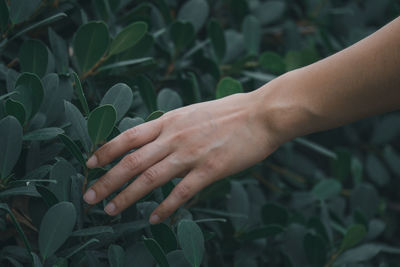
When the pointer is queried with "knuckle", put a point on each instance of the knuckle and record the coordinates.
(150, 176)
(183, 191)
(130, 162)
(132, 134)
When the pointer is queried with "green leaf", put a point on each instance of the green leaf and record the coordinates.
(36, 260)
(364, 253)
(21, 10)
(217, 37)
(8, 95)
(78, 129)
(10, 144)
(262, 232)
(273, 62)
(176, 258)
(127, 123)
(238, 203)
(80, 248)
(251, 30)
(270, 11)
(101, 122)
(327, 188)
(366, 199)
(228, 86)
(16, 109)
(43, 134)
(80, 94)
(29, 190)
(147, 92)
(62, 172)
(55, 228)
(120, 64)
(33, 57)
(376, 171)
(354, 235)
(191, 240)
(273, 213)
(163, 234)
(155, 115)
(73, 148)
(60, 51)
(194, 11)
(120, 96)
(4, 16)
(30, 93)
(128, 37)
(96, 230)
(182, 34)
(168, 100)
(116, 256)
(315, 249)
(47, 195)
(156, 251)
(90, 44)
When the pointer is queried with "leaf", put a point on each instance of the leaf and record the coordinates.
(79, 248)
(33, 57)
(80, 93)
(96, 230)
(327, 188)
(126, 63)
(366, 199)
(156, 251)
(273, 62)
(43, 134)
(4, 16)
(354, 235)
(29, 190)
(191, 240)
(21, 10)
(251, 29)
(116, 256)
(127, 123)
(176, 258)
(163, 234)
(364, 253)
(270, 11)
(47, 195)
(8, 95)
(73, 148)
(128, 37)
(30, 93)
(120, 96)
(217, 37)
(155, 115)
(60, 51)
(195, 12)
(90, 44)
(55, 228)
(228, 86)
(262, 232)
(168, 100)
(182, 34)
(377, 172)
(36, 260)
(10, 144)
(273, 213)
(315, 249)
(62, 172)
(238, 203)
(101, 122)
(78, 129)
(147, 92)
(16, 109)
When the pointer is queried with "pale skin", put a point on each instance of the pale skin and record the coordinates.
(208, 141)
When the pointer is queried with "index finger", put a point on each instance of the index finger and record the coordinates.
(132, 138)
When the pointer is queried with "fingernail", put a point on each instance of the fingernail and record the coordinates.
(110, 208)
(92, 162)
(154, 219)
(90, 196)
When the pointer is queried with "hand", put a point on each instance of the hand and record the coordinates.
(203, 142)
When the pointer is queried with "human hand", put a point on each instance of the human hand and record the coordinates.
(202, 142)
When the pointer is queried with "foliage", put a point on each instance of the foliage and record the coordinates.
(74, 74)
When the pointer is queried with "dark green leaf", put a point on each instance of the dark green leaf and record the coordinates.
(217, 37)
(60, 51)
(73, 149)
(270, 11)
(238, 203)
(30, 93)
(176, 258)
(120, 96)
(194, 11)
(57, 225)
(128, 37)
(273, 62)
(96, 230)
(101, 122)
(90, 44)
(10, 144)
(81, 247)
(327, 188)
(228, 86)
(116, 256)
(377, 172)
(33, 57)
(16, 109)
(315, 249)
(78, 129)
(251, 29)
(156, 251)
(127, 123)
(191, 240)
(163, 234)
(4, 16)
(126, 63)
(8, 95)
(47, 195)
(43, 134)
(366, 199)
(21, 10)
(147, 92)
(155, 115)
(354, 235)
(81, 95)
(62, 172)
(29, 190)
(168, 100)
(273, 213)
(182, 34)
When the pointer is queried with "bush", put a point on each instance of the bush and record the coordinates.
(74, 74)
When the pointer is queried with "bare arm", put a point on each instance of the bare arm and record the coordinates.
(208, 141)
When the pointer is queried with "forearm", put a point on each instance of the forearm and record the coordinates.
(357, 82)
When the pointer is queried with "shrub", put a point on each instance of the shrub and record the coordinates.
(74, 74)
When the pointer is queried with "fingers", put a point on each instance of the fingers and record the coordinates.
(130, 166)
(132, 138)
(150, 179)
(185, 190)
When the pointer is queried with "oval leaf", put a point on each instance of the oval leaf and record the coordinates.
(16, 109)
(217, 37)
(101, 122)
(228, 86)
(164, 236)
(120, 96)
(327, 188)
(191, 240)
(128, 37)
(33, 57)
(156, 251)
(196, 12)
(354, 235)
(10, 144)
(43, 134)
(168, 100)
